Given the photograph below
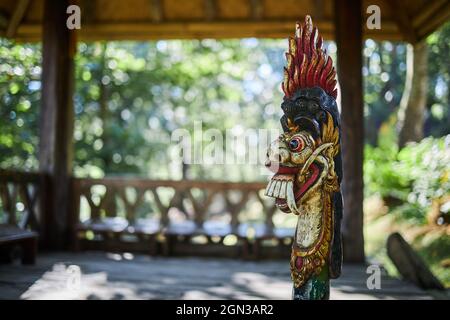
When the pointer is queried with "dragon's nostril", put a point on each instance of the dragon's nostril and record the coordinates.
(279, 158)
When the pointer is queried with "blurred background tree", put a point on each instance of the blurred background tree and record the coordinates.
(20, 73)
(131, 95)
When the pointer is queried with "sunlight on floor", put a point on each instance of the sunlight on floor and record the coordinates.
(127, 276)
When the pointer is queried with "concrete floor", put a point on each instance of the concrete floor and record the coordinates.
(97, 275)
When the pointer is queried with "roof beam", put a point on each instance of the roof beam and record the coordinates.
(210, 9)
(429, 9)
(257, 9)
(403, 22)
(89, 11)
(16, 17)
(199, 30)
(437, 19)
(318, 9)
(157, 10)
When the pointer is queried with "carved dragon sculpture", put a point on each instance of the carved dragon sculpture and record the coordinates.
(306, 162)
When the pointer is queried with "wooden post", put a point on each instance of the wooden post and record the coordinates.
(348, 29)
(56, 123)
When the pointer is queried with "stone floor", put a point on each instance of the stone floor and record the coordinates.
(126, 276)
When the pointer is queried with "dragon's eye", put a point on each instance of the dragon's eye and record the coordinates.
(296, 144)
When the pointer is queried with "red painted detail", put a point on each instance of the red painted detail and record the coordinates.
(282, 169)
(315, 173)
(299, 263)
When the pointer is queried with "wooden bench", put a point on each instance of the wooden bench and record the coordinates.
(280, 236)
(113, 231)
(250, 239)
(200, 218)
(11, 236)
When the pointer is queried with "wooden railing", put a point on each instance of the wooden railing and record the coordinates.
(172, 216)
(156, 216)
(19, 193)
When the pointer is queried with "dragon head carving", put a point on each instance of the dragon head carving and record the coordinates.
(303, 166)
(306, 160)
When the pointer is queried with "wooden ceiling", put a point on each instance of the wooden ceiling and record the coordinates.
(408, 20)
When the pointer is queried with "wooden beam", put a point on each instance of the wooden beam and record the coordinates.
(429, 9)
(425, 20)
(88, 11)
(318, 9)
(434, 22)
(403, 21)
(16, 17)
(348, 35)
(257, 9)
(210, 9)
(56, 123)
(157, 10)
(139, 31)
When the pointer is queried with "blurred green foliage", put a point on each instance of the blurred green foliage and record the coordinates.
(384, 79)
(130, 96)
(438, 120)
(410, 178)
(434, 249)
(20, 72)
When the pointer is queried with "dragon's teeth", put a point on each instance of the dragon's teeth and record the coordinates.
(276, 190)
(268, 188)
(290, 198)
(271, 187)
(282, 193)
(275, 185)
(270, 191)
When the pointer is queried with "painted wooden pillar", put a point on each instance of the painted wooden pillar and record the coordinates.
(306, 162)
(56, 123)
(349, 41)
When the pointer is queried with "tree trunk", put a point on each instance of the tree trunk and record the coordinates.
(414, 99)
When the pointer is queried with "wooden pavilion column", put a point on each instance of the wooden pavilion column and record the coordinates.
(348, 35)
(56, 123)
